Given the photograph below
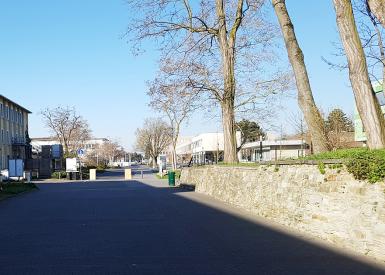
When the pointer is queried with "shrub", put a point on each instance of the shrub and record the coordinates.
(370, 166)
(362, 163)
(321, 167)
(58, 175)
(339, 154)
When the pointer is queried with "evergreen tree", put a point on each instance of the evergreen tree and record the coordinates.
(250, 131)
(337, 121)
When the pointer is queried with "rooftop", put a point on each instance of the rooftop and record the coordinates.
(14, 103)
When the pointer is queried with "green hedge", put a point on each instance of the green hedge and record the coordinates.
(362, 163)
(59, 175)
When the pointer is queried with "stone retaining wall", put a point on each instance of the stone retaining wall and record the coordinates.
(333, 206)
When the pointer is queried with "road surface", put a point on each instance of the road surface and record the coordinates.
(144, 227)
(118, 173)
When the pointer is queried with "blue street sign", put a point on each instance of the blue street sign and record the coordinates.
(80, 152)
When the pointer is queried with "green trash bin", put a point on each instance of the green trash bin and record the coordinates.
(171, 178)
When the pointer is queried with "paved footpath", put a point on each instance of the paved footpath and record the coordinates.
(117, 227)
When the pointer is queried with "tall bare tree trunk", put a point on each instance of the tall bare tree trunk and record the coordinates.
(377, 7)
(227, 45)
(306, 102)
(367, 103)
(229, 136)
(373, 17)
(174, 157)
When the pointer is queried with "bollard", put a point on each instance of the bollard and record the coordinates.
(141, 172)
(92, 174)
(127, 174)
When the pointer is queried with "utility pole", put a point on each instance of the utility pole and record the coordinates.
(260, 148)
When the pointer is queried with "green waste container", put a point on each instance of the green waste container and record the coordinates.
(171, 178)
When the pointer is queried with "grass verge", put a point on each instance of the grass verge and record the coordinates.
(14, 188)
(165, 177)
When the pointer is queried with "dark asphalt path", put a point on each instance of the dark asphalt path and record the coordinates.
(135, 228)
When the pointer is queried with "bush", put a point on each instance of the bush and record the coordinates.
(101, 167)
(321, 167)
(370, 165)
(59, 175)
(362, 163)
(342, 154)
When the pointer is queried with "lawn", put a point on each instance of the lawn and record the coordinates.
(11, 189)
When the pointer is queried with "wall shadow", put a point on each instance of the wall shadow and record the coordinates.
(133, 227)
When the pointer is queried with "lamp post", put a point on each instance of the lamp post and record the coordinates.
(260, 148)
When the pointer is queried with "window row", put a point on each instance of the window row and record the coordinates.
(11, 114)
(7, 138)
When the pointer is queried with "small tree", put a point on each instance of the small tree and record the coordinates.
(338, 126)
(250, 131)
(109, 151)
(338, 121)
(71, 129)
(153, 138)
(175, 98)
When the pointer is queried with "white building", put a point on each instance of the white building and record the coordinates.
(273, 150)
(89, 145)
(207, 148)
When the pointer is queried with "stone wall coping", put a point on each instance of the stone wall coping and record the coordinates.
(264, 164)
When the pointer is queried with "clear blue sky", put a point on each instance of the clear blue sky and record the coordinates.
(73, 53)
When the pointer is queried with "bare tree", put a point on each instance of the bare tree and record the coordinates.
(153, 138)
(109, 151)
(71, 129)
(371, 35)
(223, 42)
(367, 103)
(377, 7)
(175, 98)
(306, 101)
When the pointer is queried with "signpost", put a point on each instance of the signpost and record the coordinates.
(71, 165)
(80, 153)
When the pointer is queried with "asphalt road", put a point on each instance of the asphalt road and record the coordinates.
(118, 174)
(112, 227)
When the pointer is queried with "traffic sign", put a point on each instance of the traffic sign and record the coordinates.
(80, 152)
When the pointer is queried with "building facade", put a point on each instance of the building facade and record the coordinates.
(13, 131)
(88, 147)
(273, 150)
(207, 148)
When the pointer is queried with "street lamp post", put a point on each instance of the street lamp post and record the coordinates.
(260, 148)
